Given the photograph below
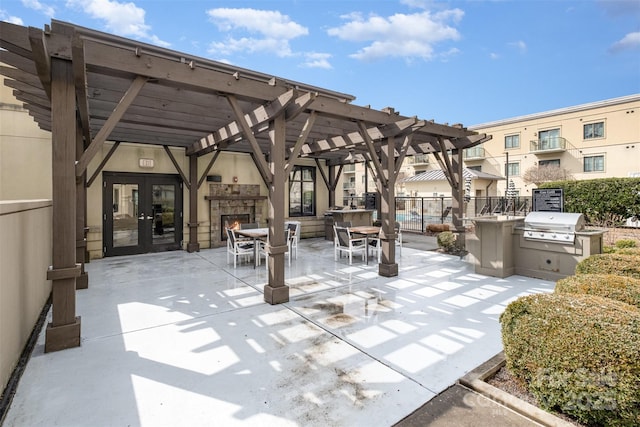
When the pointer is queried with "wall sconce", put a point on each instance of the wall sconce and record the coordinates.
(235, 179)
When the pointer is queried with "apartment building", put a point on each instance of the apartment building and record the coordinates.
(588, 141)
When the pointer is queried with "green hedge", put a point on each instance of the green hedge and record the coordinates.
(620, 288)
(611, 263)
(602, 201)
(577, 354)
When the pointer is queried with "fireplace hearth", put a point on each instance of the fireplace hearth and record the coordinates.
(233, 221)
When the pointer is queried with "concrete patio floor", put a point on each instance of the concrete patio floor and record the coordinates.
(179, 339)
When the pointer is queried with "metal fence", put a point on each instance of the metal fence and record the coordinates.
(415, 213)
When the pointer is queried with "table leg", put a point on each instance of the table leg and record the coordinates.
(256, 252)
(366, 249)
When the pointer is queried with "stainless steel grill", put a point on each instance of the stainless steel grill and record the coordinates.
(557, 227)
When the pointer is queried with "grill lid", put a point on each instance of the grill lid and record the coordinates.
(553, 226)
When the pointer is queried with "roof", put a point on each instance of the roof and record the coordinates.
(567, 110)
(129, 91)
(438, 175)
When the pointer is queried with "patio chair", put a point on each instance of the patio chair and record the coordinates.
(262, 251)
(343, 224)
(374, 242)
(294, 236)
(343, 242)
(398, 237)
(238, 248)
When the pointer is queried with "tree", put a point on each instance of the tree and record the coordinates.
(539, 174)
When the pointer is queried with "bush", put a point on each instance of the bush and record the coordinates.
(620, 288)
(605, 201)
(613, 263)
(577, 354)
(629, 251)
(625, 243)
(446, 240)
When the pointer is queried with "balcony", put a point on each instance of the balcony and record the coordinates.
(348, 186)
(548, 145)
(418, 159)
(474, 153)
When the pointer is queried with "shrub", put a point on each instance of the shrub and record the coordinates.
(620, 288)
(629, 251)
(446, 240)
(577, 354)
(625, 243)
(604, 201)
(613, 263)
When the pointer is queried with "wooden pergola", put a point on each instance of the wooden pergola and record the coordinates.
(87, 87)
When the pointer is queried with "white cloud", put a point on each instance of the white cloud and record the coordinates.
(258, 31)
(4, 16)
(628, 42)
(125, 19)
(37, 6)
(317, 60)
(519, 45)
(494, 55)
(399, 35)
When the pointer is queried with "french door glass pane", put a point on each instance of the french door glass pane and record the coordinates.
(125, 215)
(163, 204)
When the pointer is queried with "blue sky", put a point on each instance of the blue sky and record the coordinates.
(467, 62)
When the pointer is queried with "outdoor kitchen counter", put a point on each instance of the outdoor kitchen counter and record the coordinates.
(356, 216)
(491, 247)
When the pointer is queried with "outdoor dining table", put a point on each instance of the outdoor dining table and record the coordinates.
(256, 234)
(366, 231)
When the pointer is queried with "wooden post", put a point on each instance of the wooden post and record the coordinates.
(82, 281)
(388, 266)
(193, 245)
(275, 291)
(332, 191)
(64, 329)
(457, 199)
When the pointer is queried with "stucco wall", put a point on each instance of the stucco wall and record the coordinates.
(25, 255)
(25, 152)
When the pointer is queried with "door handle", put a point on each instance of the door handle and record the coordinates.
(141, 217)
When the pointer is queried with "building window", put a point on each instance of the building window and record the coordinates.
(512, 141)
(551, 163)
(302, 191)
(513, 169)
(593, 130)
(594, 163)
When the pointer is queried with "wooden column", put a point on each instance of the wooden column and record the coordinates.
(64, 329)
(457, 199)
(332, 190)
(275, 291)
(193, 245)
(82, 281)
(388, 266)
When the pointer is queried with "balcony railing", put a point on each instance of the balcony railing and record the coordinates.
(474, 153)
(349, 168)
(348, 185)
(418, 159)
(548, 145)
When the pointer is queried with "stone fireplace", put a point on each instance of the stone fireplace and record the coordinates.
(233, 200)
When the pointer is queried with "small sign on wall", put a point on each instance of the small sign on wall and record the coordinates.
(146, 163)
